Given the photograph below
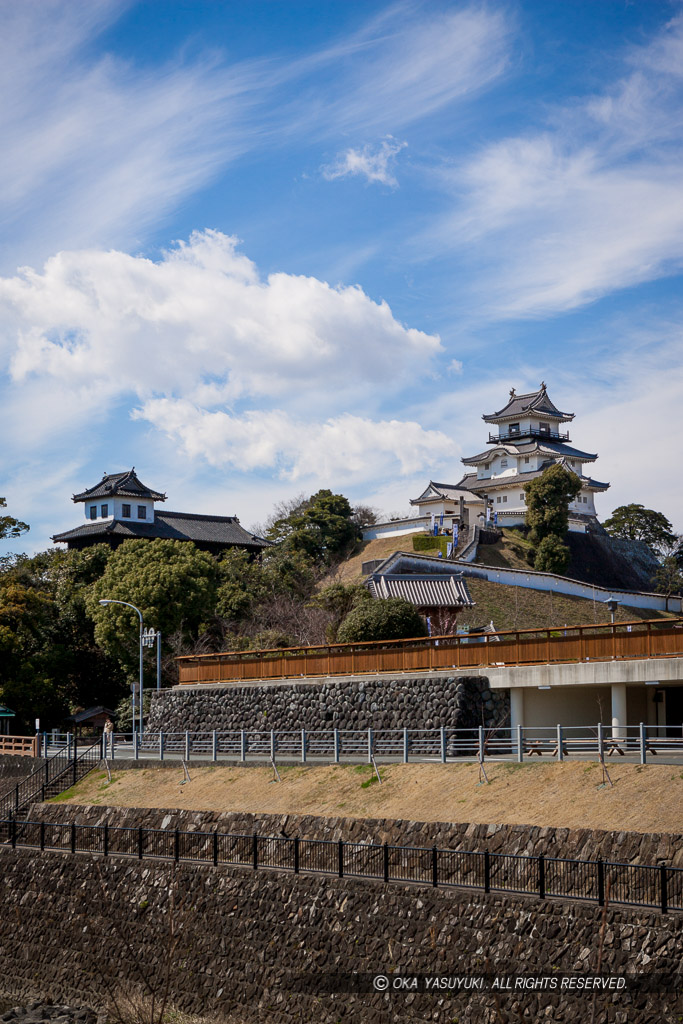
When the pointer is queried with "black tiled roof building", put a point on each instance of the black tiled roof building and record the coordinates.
(120, 507)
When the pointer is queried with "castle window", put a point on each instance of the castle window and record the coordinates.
(503, 463)
(142, 511)
(125, 511)
(105, 511)
(498, 499)
(93, 511)
(514, 428)
(527, 460)
(505, 497)
(521, 497)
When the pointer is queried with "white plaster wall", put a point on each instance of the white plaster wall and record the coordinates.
(583, 706)
(563, 585)
(115, 509)
(399, 528)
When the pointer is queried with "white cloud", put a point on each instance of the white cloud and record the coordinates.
(201, 322)
(556, 219)
(95, 149)
(341, 449)
(373, 163)
(280, 373)
(410, 62)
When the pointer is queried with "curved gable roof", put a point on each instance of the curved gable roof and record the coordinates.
(125, 485)
(536, 402)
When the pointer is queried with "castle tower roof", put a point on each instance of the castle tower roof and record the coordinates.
(537, 403)
(126, 485)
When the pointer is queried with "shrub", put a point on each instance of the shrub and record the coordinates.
(428, 542)
(383, 619)
(552, 555)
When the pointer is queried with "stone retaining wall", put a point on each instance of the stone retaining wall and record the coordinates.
(531, 840)
(421, 702)
(248, 942)
(16, 767)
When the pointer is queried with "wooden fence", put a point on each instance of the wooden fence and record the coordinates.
(27, 745)
(650, 638)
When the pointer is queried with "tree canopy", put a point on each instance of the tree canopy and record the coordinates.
(635, 522)
(9, 526)
(547, 502)
(668, 578)
(385, 619)
(321, 526)
(547, 515)
(172, 583)
(552, 555)
(49, 661)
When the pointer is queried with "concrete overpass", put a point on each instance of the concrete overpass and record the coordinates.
(648, 690)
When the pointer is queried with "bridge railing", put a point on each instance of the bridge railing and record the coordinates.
(639, 743)
(606, 641)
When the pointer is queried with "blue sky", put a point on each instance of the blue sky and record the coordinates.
(258, 249)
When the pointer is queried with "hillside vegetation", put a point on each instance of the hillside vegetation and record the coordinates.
(506, 606)
(643, 798)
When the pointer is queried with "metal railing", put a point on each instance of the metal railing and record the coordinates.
(607, 641)
(517, 435)
(60, 772)
(641, 885)
(639, 743)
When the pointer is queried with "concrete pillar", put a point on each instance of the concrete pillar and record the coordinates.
(516, 706)
(619, 710)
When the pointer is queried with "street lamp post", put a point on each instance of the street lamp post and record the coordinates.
(106, 601)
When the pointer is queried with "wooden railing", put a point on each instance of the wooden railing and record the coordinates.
(650, 638)
(27, 745)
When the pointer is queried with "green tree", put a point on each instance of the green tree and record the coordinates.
(635, 522)
(172, 583)
(547, 502)
(668, 579)
(246, 584)
(322, 527)
(9, 526)
(552, 555)
(383, 619)
(338, 600)
(50, 664)
(27, 620)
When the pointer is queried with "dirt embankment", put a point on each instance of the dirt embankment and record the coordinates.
(645, 798)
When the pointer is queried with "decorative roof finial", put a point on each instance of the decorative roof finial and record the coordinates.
(543, 385)
(512, 392)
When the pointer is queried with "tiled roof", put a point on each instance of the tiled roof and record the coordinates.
(535, 402)
(518, 479)
(83, 716)
(422, 591)
(530, 448)
(451, 491)
(125, 484)
(171, 526)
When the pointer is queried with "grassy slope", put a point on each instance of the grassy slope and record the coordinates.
(508, 607)
(572, 794)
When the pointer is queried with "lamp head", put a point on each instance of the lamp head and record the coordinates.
(105, 602)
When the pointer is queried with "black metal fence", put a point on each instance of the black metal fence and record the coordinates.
(61, 771)
(655, 886)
